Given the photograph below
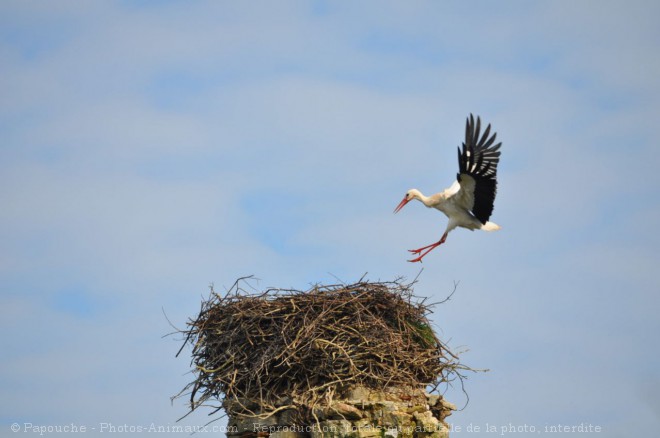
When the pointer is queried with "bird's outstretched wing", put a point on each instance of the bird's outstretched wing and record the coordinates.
(477, 170)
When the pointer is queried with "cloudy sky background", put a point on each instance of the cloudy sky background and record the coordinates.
(149, 149)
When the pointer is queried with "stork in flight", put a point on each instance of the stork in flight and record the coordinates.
(468, 203)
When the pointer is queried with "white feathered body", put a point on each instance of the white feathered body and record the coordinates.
(455, 202)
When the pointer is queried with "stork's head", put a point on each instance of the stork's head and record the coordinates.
(410, 195)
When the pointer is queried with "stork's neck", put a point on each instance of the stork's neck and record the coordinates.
(429, 202)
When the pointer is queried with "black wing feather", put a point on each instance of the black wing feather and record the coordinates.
(479, 159)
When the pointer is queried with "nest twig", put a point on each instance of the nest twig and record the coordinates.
(282, 349)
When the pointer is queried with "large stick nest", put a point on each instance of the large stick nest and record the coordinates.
(301, 346)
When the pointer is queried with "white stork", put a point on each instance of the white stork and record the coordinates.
(468, 203)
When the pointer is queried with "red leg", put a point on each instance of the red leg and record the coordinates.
(419, 250)
(427, 249)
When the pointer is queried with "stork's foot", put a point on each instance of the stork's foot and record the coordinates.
(416, 259)
(426, 249)
(422, 252)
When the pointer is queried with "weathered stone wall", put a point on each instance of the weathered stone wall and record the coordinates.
(359, 413)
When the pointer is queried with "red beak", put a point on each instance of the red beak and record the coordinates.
(401, 205)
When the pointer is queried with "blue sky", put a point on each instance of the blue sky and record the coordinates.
(149, 149)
